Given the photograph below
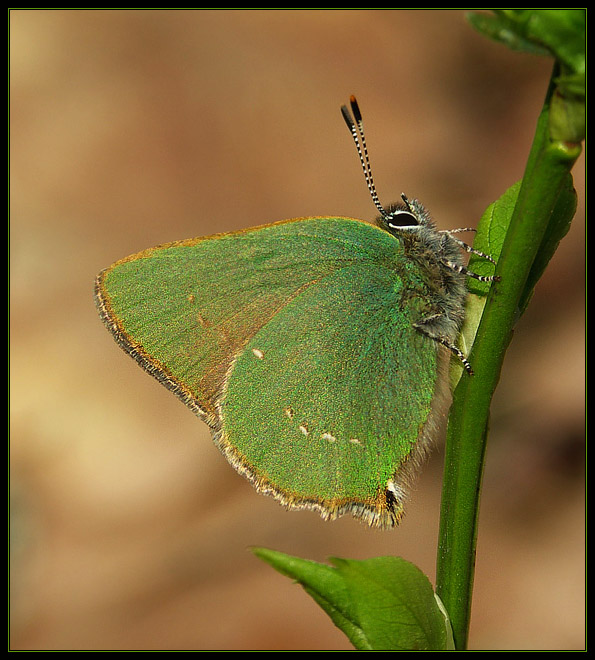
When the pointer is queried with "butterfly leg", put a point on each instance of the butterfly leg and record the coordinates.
(422, 326)
(466, 246)
(460, 230)
(459, 268)
(471, 250)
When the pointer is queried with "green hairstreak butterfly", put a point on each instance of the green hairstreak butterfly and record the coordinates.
(315, 349)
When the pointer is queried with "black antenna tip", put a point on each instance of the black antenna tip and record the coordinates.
(355, 108)
(347, 117)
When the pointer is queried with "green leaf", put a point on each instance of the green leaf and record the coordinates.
(559, 32)
(325, 585)
(490, 235)
(489, 239)
(562, 31)
(505, 30)
(384, 603)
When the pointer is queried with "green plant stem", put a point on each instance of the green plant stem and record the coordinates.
(547, 169)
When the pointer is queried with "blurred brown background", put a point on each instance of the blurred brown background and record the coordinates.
(130, 128)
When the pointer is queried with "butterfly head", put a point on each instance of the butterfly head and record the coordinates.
(405, 216)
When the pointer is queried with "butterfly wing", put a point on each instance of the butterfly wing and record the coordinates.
(295, 343)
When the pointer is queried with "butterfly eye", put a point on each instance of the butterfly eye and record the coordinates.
(401, 219)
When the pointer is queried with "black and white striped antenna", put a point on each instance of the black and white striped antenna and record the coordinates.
(356, 128)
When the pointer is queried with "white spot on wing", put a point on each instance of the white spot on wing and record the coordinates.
(329, 437)
(258, 353)
(303, 429)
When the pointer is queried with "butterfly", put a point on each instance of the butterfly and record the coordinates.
(316, 349)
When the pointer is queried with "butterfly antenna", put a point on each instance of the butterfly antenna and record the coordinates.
(355, 125)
